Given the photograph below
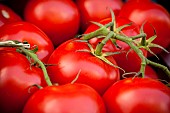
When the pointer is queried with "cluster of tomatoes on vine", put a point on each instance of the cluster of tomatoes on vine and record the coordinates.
(90, 56)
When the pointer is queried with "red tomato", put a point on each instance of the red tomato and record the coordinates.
(59, 19)
(153, 14)
(16, 77)
(70, 62)
(130, 62)
(150, 72)
(137, 95)
(69, 98)
(96, 10)
(24, 31)
(7, 15)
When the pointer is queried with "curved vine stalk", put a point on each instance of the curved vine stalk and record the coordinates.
(104, 31)
(24, 48)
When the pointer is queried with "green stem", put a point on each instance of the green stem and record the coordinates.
(164, 68)
(101, 31)
(138, 36)
(142, 57)
(99, 47)
(129, 41)
(35, 58)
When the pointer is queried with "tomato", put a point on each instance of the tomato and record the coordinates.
(7, 15)
(59, 19)
(150, 72)
(16, 78)
(155, 16)
(24, 31)
(69, 98)
(128, 60)
(70, 62)
(137, 95)
(96, 10)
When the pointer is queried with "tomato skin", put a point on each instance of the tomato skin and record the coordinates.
(69, 98)
(16, 78)
(137, 95)
(150, 72)
(130, 62)
(96, 10)
(70, 61)
(139, 12)
(24, 31)
(7, 15)
(48, 15)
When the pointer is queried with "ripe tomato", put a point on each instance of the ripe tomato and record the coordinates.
(7, 15)
(130, 62)
(69, 98)
(70, 61)
(16, 77)
(24, 31)
(96, 10)
(137, 95)
(150, 72)
(59, 19)
(153, 14)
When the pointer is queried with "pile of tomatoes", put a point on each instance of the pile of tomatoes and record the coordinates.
(84, 56)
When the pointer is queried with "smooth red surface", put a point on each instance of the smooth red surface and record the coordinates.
(96, 10)
(25, 31)
(59, 19)
(69, 98)
(16, 78)
(137, 95)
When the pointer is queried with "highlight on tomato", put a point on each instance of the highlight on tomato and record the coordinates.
(7, 15)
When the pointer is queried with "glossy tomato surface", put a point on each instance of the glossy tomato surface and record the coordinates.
(128, 60)
(59, 19)
(71, 61)
(137, 95)
(7, 15)
(155, 16)
(25, 31)
(69, 98)
(16, 78)
(96, 10)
